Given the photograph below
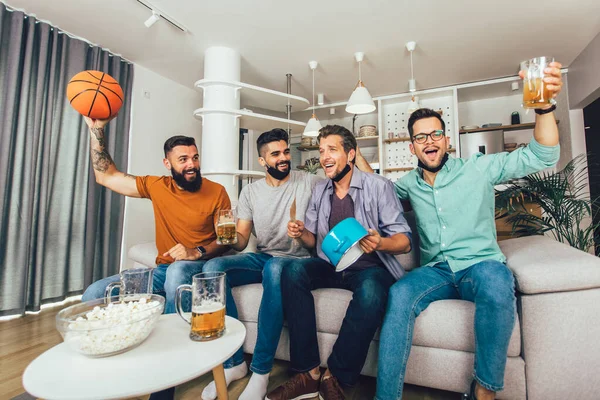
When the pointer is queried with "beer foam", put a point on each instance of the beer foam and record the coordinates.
(208, 308)
(226, 224)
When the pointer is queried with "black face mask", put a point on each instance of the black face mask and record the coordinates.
(436, 169)
(342, 173)
(189, 186)
(277, 174)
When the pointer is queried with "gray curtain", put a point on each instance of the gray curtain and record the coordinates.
(59, 230)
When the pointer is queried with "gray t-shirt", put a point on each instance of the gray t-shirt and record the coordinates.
(268, 208)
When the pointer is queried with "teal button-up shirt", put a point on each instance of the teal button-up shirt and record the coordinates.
(455, 217)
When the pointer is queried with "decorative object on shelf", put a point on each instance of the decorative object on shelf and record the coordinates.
(412, 84)
(491, 125)
(564, 201)
(367, 131)
(413, 105)
(360, 101)
(515, 118)
(313, 125)
(469, 127)
(311, 165)
(306, 141)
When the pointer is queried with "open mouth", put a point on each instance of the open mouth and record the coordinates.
(283, 166)
(190, 173)
(431, 153)
(329, 166)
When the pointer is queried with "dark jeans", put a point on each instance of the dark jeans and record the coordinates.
(363, 316)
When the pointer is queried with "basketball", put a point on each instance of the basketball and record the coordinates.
(95, 94)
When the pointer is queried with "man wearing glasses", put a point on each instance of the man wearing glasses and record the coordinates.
(453, 200)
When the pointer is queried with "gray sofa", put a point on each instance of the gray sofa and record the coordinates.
(554, 351)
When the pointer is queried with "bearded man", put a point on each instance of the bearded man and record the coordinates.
(185, 208)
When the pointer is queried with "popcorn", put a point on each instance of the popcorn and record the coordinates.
(114, 328)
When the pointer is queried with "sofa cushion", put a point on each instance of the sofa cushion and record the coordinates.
(446, 324)
(143, 253)
(543, 265)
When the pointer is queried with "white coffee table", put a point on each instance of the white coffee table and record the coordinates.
(166, 359)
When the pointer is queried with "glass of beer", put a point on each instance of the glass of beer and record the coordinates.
(132, 282)
(535, 93)
(208, 305)
(226, 232)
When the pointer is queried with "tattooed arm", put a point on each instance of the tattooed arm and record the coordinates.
(105, 170)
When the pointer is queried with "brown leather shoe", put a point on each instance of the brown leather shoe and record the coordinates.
(300, 386)
(330, 389)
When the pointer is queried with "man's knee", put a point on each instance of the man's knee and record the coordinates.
(294, 273)
(181, 272)
(214, 265)
(272, 271)
(495, 282)
(372, 295)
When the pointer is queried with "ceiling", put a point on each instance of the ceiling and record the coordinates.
(457, 41)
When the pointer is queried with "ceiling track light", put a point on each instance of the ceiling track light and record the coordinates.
(161, 15)
(152, 20)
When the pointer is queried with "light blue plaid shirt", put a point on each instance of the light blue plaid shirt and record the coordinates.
(376, 206)
(455, 217)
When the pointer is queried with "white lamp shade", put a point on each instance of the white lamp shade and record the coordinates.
(361, 101)
(312, 128)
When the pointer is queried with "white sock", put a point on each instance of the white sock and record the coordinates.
(231, 374)
(257, 387)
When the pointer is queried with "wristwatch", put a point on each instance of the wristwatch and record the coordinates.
(202, 251)
(539, 111)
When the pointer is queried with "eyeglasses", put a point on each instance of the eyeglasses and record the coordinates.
(436, 135)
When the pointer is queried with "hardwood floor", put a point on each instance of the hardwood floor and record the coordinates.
(23, 339)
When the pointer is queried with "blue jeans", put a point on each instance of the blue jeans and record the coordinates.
(489, 284)
(244, 269)
(363, 316)
(166, 279)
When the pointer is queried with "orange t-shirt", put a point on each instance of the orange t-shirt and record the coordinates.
(181, 216)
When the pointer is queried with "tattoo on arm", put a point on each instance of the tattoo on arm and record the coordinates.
(99, 134)
(129, 176)
(101, 160)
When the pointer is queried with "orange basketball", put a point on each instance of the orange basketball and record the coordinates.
(95, 94)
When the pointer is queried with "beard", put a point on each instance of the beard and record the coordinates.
(276, 173)
(182, 182)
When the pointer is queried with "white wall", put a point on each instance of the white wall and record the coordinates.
(161, 108)
(584, 76)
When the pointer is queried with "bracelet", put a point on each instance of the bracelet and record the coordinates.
(546, 111)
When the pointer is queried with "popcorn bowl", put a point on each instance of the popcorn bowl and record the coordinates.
(105, 327)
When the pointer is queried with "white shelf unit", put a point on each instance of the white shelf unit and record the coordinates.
(251, 120)
(395, 157)
(259, 97)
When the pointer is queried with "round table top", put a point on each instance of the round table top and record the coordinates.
(168, 357)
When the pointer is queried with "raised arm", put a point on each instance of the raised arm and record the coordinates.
(361, 163)
(105, 170)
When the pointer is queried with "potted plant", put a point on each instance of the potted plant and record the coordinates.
(566, 209)
(312, 165)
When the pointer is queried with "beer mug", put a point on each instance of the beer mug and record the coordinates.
(226, 232)
(132, 282)
(208, 305)
(535, 92)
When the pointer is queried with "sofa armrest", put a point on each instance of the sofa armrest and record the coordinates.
(143, 253)
(543, 265)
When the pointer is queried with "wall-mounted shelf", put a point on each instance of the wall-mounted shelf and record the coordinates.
(398, 169)
(394, 140)
(259, 97)
(251, 120)
(505, 128)
(307, 148)
(369, 141)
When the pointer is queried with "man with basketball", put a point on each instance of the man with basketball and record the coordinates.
(185, 205)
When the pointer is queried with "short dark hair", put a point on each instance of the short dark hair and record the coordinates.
(423, 113)
(274, 135)
(348, 139)
(175, 141)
